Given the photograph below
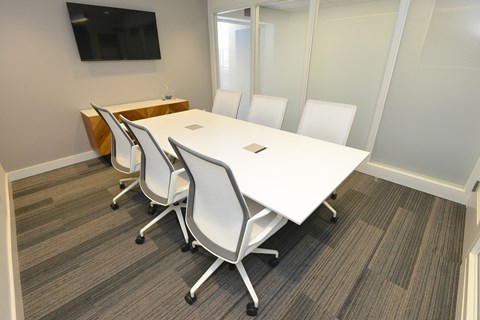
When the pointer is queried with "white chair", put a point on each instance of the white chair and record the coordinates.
(267, 110)
(160, 181)
(221, 220)
(227, 102)
(125, 154)
(328, 121)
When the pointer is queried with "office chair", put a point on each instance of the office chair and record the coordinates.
(267, 110)
(227, 102)
(222, 220)
(328, 121)
(125, 155)
(160, 181)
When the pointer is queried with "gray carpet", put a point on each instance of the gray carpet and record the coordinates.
(393, 254)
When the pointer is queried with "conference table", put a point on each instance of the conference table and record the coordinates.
(292, 175)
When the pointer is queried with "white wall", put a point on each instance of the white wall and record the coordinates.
(11, 306)
(43, 83)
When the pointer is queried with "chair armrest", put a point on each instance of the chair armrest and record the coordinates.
(173, 183)
(260, 215)
(133, 158)
(177, 172)
(259, 237)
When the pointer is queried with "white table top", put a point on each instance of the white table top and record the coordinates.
(292, 176)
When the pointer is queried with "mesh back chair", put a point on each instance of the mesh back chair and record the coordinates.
(125, 155)
(267, 111)
(222, 220)
(227, 102)
(160, 181)
(328, 121)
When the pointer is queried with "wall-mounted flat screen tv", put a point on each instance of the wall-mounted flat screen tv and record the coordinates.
(105, 33)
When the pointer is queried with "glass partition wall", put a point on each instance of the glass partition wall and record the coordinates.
(432, 111)
(279, 54)
(280, 58)
(350, 48)
(410, 67)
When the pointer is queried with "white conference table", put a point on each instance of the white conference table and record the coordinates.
(292, 176)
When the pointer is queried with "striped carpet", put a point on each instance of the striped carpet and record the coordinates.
(393, 254)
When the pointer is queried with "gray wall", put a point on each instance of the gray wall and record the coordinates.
(43, 83)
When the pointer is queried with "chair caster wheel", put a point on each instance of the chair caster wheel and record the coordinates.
(333, 196)
(122, 185)
(334, 219)
(139, 239)
(193, 249)
(251, 310)
(185, 247)
(189, 299)
(151, 210)
(273, 262)
(114, 206)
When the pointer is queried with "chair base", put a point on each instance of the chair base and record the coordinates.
(151, 209)
(114, 204)
(139, 239)
(185, 247)
(177, 207)
(190, 300)
(273, 262)
(252, 307)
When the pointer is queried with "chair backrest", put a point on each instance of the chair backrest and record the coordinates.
(156, 170)
(267, 110)
(227, 102)
(216, 211)
(121, 142)
(329, 121)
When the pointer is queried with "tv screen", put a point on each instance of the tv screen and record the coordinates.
(105, 33)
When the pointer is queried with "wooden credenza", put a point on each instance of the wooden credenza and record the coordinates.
(98, 132)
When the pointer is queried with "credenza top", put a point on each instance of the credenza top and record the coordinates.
(90, 112)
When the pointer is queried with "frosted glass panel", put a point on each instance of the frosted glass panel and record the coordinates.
(281, 52)
(351, 44)
(430, 124)
(233, 54)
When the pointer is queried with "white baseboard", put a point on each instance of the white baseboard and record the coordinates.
(51, 165)
(429, 185)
